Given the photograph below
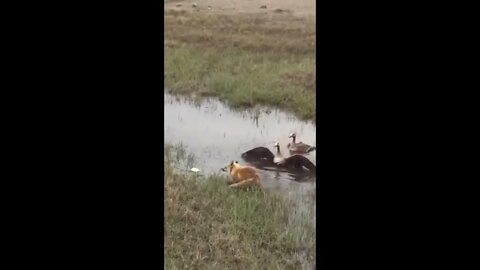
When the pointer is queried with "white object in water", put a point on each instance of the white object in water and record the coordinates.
(195, 170)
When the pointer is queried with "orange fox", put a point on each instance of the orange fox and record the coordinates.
(242, 176)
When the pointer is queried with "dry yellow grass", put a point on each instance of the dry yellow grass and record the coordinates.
(250, 32)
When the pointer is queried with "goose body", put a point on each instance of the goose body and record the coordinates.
(299, 147)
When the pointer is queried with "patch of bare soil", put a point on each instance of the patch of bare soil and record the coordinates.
(300, 8)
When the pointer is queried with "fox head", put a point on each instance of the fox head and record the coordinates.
(230, 166)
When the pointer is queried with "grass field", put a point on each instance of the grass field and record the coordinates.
(211, 226)
(243, 59)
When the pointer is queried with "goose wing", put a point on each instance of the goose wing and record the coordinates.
(258, 153)
(299, 161)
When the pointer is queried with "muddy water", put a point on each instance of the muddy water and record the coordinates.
(216, 134)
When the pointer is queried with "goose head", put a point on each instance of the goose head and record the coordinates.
(277, 145)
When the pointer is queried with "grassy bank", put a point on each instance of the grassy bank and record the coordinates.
(243, 59)
(211, 226)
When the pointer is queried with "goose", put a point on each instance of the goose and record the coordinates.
(299, 147)
(294, 162)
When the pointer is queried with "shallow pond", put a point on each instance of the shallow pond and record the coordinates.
(216, 134)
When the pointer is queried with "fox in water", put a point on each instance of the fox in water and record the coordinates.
(242, 176)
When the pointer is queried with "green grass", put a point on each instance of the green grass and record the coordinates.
(244, 60)
(211, 226)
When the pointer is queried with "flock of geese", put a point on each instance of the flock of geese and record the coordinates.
(296, 162)
(244, 176)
